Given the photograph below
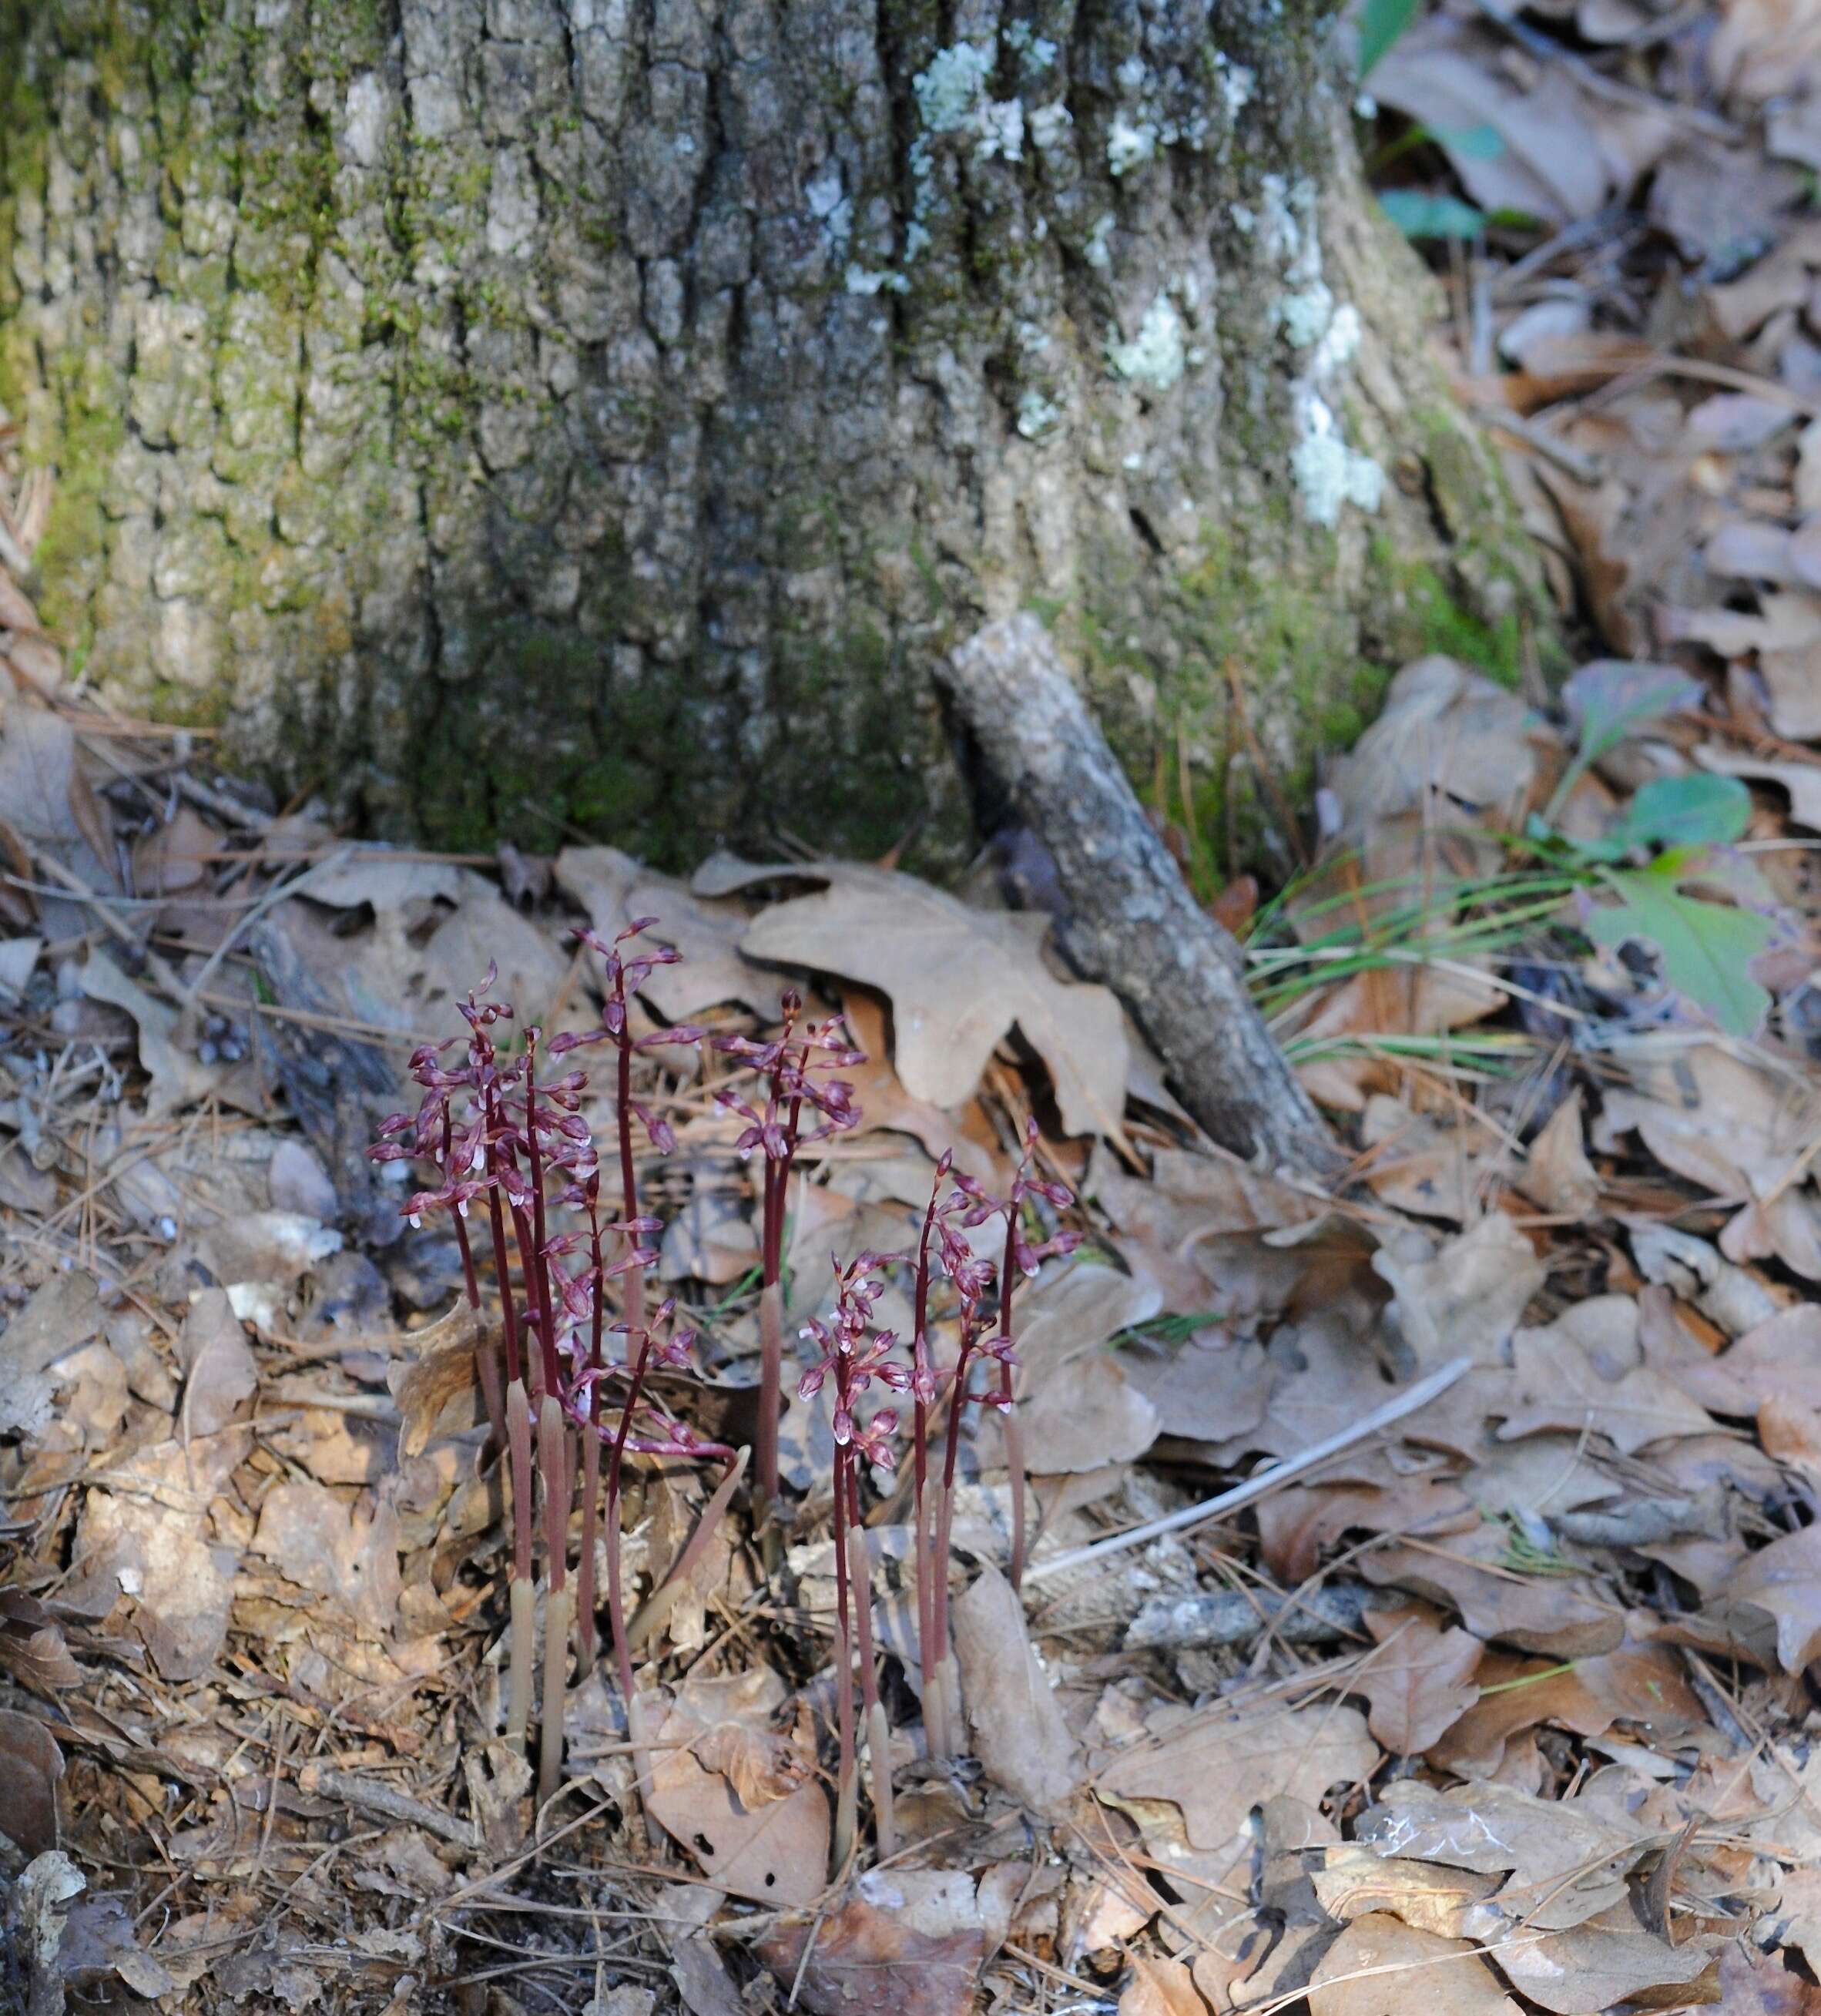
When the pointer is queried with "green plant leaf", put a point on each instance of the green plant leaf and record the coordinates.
(1474, 143)
(1381, 22)
(1699, 811)
(1418, 215)
(1613, 698)
(1610, 699)
(1706, 949)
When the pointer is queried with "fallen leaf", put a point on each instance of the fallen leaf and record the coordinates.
(761, 1765)
(1801, 780)
(1733, 422)
(60, 1318)
(37, 768)
(959, 979)
(615, 890)
(438, 1390)
(264, 1248)
(1079, 1409)
(484, 930)
(1564, 1861)
(883, 1103)
(1642, 1685)
(1160, 1988)
(1019, 1736)
(1790, 1431)
(31, 1645)
(318, 1540)
(30, 1764)
(176, 856)
(220, 1375)
(1352, 1882)
(1465, 1297)
(1216, 1765)
(775, 1854)
(1598, 1965)
(1761, 48)
(147, 1534)
(702, 1982)
(1324, 1378)
(864, 1958)
(95, 1393)
(1418, 1681)
(1298, 1522)
(1557, 1174)
(1564, 1616)
(1777, 1360)
(97, 1946)
(1770, 1607)
(380, 877)
(1420, 1165)
(35, 1924)
(1761, 1984)
(1442, 728)
(1182, 1229)
(1209, 1387)
(297, 1184)
(177, 1075)
(1549, 164)
(1558, 1386)
(1381, 1967)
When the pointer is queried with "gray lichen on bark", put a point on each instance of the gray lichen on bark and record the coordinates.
(506, 412)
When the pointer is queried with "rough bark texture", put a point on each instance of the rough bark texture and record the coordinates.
(502, 412)
(1129, 920)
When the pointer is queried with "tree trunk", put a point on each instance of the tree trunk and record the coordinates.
(506, 415)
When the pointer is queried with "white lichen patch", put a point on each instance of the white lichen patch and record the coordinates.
(1238, 82)
(1048, 125)
(1094, 251)
(1001, 125)
(948, 92)
(1038, 415)
(1036, 52)
(861, 282)
(1328, 473)
(831, 208)
(1158, 354)
(1129, 141)
(1306, 313)
(1339, 346)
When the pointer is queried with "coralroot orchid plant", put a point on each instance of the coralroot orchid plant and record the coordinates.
(577, 1346)
(491, 1129)
(853, 1356)
(785, 1068)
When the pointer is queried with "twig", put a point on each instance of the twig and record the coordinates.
(1585, 468)
(1547, 50)
(1409, 1402)
(1132, 922)
(370, 1796)
(220, 803)
(1237, 1617)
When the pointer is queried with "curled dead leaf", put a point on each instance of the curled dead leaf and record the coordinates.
(1380, 1966)
(30, 1764)
(1019, 1736)
(861, 1957)
(761, 1765)
(958, 979)
(32, 1644)
(438, 1391)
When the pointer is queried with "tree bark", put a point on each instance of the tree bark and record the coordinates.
(520, 414)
